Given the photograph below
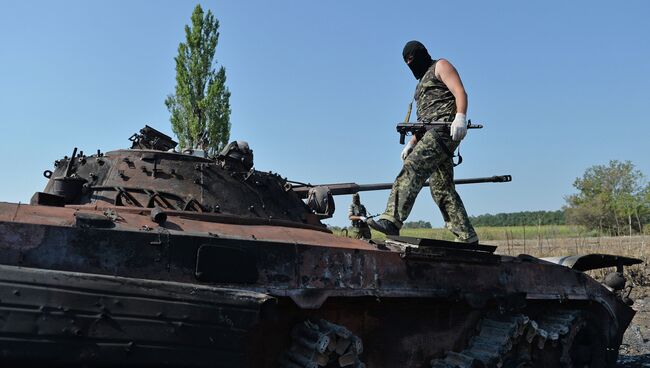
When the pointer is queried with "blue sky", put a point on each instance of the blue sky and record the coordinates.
(318, 86)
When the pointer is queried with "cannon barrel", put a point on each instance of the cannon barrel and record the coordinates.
(351, 188)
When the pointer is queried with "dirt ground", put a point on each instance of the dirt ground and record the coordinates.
(635, 350)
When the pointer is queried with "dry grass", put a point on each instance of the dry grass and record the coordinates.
(629, 246)
(554, 241)
(634, 246)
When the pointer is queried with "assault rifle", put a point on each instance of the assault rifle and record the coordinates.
(418, 129)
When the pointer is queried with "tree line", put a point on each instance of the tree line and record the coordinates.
(527, 218)
(417, 225)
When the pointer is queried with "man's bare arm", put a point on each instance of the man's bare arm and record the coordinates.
(447, 74)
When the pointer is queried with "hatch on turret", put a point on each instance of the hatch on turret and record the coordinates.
(149, 176)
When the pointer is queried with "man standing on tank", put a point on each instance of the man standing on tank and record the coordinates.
(357, 215)
(440, 96)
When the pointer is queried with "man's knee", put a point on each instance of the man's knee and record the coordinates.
(411, 165)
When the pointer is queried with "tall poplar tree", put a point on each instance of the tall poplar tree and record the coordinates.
(200, 108)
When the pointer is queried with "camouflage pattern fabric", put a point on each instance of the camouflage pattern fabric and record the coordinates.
(357, 210)
(430, 160)
(435, 102)
(359, 228)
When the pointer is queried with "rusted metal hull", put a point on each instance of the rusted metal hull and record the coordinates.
(58, 318)
(408, 305)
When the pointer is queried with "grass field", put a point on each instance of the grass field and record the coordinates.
(488, 233)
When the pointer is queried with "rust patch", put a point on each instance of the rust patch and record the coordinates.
(137, 218)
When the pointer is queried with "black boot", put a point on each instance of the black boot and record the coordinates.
(383, 226)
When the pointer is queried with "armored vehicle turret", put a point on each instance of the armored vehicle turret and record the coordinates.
(149, 257)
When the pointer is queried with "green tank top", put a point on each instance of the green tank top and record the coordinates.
(434, 100)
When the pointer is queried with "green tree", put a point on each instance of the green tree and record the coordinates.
(200, 108)
(612, 198)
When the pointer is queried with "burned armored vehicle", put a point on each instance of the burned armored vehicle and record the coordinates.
(145, 257)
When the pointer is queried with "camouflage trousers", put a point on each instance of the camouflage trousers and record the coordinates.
(360, 232)
(430, 160)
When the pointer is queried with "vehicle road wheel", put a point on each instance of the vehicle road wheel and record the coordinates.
(320, 343)
(573, 341)
(502, 341)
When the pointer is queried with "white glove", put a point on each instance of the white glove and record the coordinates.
(363, 218)
(459, 127)
(407, 150)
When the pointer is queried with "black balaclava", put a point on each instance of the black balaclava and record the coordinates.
(421, 58)
(355, 199)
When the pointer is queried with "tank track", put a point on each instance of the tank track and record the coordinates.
(561, 328)
(321, 343)
(500, 338)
